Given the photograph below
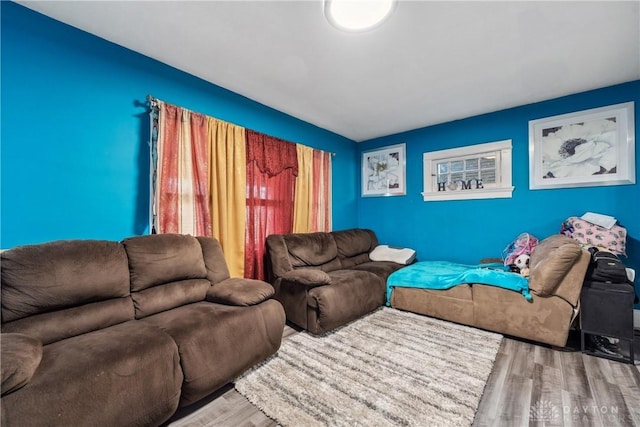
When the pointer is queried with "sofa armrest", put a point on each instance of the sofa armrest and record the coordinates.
(279, 262)
(240, 292)
(552, 268)
(21, 356)
(308, 277)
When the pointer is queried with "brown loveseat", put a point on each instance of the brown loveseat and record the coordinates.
(104, 333)
(557, 269)
(325, 280)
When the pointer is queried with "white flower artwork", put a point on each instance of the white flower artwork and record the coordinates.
(383, 172)
(580, 149)
(588, 148)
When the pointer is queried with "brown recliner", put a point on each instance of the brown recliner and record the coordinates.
(104, 333)
(325, 280)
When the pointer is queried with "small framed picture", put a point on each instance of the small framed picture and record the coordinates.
(583, 149)
(383, 171)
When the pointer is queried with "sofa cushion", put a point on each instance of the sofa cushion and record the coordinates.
(545, 320)
(350, 295)
(552, 260)
(125, 375)
(238, 291)
(169, 295)
(20, 355)
(354, 246)
(213, 356)
(354, 242)
(163, 258)
(214, 260)
(543, 248)
(58, 325)
(454, 304)
(311, 249)
(380, 268)
(61, 274)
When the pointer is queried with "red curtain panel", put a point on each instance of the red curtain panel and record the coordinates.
(272, 165)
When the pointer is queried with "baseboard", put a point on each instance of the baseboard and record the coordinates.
(636, 319)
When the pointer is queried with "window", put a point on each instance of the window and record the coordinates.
(480, 171)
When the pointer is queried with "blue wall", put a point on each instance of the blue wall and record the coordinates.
(465, 231)
(75, 131)
(74, 154)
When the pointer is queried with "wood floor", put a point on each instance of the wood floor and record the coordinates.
(530, 385)
(533, 385)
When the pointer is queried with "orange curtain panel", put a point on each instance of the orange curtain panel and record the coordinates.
(312, 205)
(183, 190)
(322, 190)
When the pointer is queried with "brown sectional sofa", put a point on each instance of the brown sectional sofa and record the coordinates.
(557, 269)
(325, 280)
(104, 333)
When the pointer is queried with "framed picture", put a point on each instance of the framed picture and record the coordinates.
(383, 171)
(583, 149)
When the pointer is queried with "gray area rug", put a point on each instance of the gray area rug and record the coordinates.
(390, 368)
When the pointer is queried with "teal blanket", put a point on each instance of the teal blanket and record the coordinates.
(445, 275)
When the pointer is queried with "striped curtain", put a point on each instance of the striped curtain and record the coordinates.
(312, 204)
(322, 191)
(213, 178)
(184, 197)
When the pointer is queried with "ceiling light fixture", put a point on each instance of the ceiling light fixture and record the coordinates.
(357, 15)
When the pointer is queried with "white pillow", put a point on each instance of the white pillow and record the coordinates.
(398, 255)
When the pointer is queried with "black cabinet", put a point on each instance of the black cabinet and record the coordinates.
(606, 311)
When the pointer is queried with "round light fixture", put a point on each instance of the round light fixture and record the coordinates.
(357, 15)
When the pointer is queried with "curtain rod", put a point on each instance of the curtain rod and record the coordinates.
(154, 103)
(152, 100)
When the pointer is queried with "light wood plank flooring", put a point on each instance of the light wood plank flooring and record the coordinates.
(533, 385)
(530, 385)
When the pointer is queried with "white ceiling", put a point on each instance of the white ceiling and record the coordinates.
(431, 61)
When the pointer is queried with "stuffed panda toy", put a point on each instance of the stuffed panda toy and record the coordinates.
(522, 264)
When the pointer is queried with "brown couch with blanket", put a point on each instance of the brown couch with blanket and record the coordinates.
(557, 269)
(325, 280)
(104, 333)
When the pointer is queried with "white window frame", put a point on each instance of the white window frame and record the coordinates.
(502, 188)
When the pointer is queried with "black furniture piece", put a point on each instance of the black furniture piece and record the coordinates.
(607, 311)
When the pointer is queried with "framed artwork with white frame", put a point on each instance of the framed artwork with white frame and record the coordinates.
(383, 171)
(583, 149)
